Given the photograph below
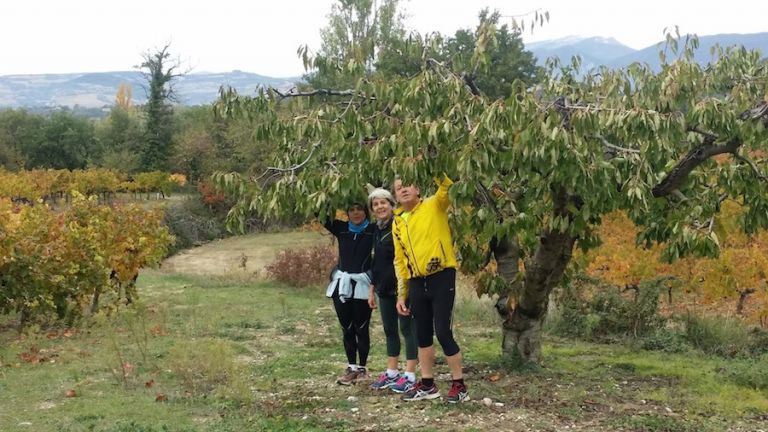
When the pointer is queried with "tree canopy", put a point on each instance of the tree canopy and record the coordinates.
(537, 170)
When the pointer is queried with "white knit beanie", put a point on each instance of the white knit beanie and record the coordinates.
(380, 193)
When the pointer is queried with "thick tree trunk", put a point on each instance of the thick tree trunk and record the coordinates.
(521, 339)
(524, 316)
(522, 326)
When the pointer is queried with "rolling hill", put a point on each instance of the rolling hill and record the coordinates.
(97, 90)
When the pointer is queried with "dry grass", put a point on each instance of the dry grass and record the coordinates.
(225, 256)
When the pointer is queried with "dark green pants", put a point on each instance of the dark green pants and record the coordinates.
(390, 319)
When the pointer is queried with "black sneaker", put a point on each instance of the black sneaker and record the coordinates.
(402, 385)
(419, 392)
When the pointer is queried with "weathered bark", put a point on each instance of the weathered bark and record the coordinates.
(507, 254)
(522, 327)
(523, 322)
(521, 339)
(521, 336)
(693, 159)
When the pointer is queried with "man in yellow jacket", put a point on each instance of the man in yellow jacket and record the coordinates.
(426, 271)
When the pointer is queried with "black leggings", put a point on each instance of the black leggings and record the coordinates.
(354, 317)
(432, 300)
(390, 319)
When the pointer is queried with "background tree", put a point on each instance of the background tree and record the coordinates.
(121, 134)
(64, 142)
(57, 140)
(159, 71)
(357, 31)
(195, 152)
(124, 97)
(505, 59)
(359, 41)
(18, 130)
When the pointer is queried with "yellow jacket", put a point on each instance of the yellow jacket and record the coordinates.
(423, 244)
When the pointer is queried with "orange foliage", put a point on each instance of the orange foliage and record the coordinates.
(210, 193)
(179, 179)
(714, 285)
(35, 185)
(49, 257)
(124, 96)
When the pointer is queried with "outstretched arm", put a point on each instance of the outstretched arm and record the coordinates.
(441, 196)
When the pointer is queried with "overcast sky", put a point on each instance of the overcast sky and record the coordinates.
(261, 36)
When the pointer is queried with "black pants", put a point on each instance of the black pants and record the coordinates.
(432, 299)
(390, 319)
(355, 318)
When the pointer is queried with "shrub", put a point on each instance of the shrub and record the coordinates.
(666, 340)
(193, 223)
(208, 367)
(567, 315)
(747, 373)
(725, 337)
(609, 313)
(303, 267)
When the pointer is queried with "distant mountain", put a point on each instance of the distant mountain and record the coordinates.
(98, 89)
(650, 55)
(596, 51)
(94, 91)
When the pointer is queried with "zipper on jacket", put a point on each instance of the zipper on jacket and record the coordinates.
(415, 263)
(442, 249)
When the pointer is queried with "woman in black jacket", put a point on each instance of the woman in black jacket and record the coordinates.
(384, 285)
(348, 288)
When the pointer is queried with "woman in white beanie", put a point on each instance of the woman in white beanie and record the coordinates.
(384, 286)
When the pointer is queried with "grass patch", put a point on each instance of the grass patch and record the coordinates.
(679, 382)
(658, 423)
(232, 353)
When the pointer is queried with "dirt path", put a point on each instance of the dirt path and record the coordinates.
(225, 256)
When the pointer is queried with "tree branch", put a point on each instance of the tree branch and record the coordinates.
(469, 80)
(708, 137)
(754, 167)
(612, 148)
(318, 92)
(761, 110)
(693, 159)
(292, 169)
(706, 150)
